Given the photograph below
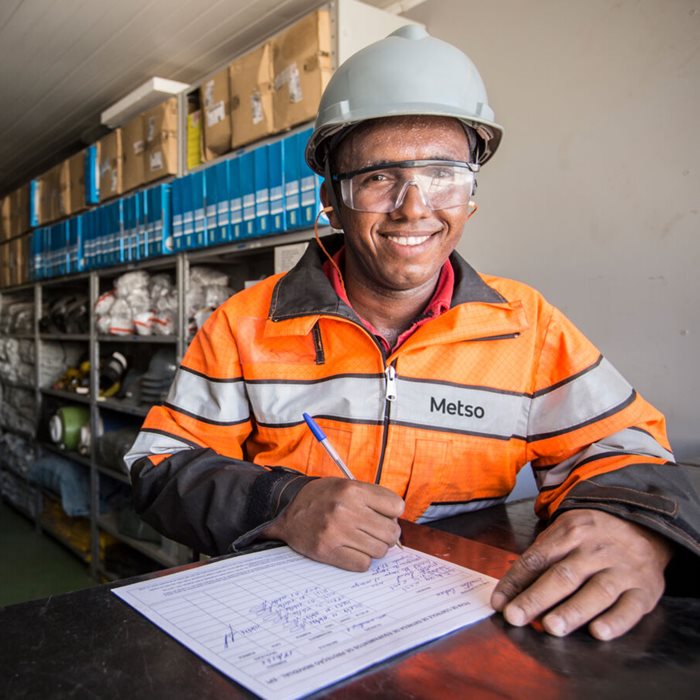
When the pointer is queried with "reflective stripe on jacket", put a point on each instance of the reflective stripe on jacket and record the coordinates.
(446, 420)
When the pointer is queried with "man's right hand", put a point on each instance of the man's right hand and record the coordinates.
(340, 522)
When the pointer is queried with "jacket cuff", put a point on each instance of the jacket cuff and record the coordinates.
(271, 493)
(660, 498)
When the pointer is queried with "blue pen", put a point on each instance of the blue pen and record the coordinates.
(321, 437)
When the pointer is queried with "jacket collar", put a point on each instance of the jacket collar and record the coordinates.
(305, 289)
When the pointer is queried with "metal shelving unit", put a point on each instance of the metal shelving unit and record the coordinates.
(158, 553)
(347, 18)
(142, 339)
(66, 395)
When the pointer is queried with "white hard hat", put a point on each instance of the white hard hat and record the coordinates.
(407, 73)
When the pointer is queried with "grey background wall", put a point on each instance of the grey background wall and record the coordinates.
(594, 195)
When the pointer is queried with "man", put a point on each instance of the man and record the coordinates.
(435, 384)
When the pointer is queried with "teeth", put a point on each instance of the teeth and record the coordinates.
(409, 240)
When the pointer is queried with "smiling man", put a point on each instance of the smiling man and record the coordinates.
(434, 383)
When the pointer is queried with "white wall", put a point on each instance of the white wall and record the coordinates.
(593, 197)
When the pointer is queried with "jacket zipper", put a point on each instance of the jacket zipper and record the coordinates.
(390, 395)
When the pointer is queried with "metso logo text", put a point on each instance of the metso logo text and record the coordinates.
(456, 409)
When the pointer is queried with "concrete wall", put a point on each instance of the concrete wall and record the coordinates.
(593, 197)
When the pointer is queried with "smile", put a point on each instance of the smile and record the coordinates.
(409, 240)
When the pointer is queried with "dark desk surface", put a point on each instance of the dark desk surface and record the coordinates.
(90, 644)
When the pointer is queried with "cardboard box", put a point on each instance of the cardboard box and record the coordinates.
(19, 261)
(43, 189)
(5, 264)
(251, 78)
(19, 210)
(216, 107)
(134, 145)
(160, 129)
(76, 188)
(195, 140)
(303, 67)
(4, 218)
(111, 160)
(52, 191)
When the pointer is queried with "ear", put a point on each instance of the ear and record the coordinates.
(328, 208)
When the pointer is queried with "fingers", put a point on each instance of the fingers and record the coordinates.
(585, 569)
(623, 616)
(381, 500)
(599, 593)
(357, 556)
(548, 549)
(340, 522)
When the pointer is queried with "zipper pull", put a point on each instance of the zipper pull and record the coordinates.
(390, 383)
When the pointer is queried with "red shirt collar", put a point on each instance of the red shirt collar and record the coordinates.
(438, 304)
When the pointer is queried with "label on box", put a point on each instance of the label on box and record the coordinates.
(248, 207)
(156, 160)
(216, 114)
(290, 77)
(236, 210)
(256, 107)
(151, 129)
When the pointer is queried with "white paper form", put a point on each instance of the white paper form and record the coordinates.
(284, 626)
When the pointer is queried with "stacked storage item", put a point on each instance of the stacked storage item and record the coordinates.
(261, 191)
(128, 229)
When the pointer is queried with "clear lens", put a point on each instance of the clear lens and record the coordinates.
(383, 189)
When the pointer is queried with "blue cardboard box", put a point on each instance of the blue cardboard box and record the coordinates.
(310, 185)
(34, 194)
(223, 214)
(102, 237)
(158, 232)
(211, 197)
(199, 206)
(217, 201)
(261, 175)
(177, 193)
(130, 237)
(113, 244)
(58, 249)
(91, 225)
(292, 182)
(36, 249)
(92, 177)
(87, 241)
(187, 238)
(49, 261)
(76, 262)
(235, 198)
(246, 164)
(275, 169)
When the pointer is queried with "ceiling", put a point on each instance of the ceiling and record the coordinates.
(62, 62)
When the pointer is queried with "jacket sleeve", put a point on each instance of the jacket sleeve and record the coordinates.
(212, 503)
(596, 443)
(190, 476)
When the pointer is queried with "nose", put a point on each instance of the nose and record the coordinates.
(411, 203)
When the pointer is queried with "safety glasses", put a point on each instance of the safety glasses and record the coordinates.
(381, 189)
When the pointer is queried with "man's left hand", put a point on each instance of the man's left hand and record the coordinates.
(587, 567)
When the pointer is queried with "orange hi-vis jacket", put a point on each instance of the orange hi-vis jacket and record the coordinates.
(446, 420)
